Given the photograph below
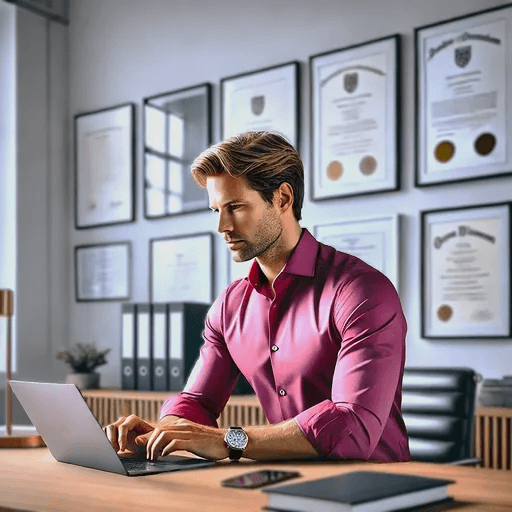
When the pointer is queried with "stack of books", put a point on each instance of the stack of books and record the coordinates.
(361, 491)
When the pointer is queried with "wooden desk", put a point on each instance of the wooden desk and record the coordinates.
(493, 425)
(31, 480)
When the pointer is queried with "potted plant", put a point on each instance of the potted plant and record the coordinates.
(83, 360)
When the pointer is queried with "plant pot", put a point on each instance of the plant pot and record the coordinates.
(84, 380)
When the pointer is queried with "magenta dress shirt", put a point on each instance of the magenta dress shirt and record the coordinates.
(328, 350)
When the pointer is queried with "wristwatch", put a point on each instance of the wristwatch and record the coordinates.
(237, 440)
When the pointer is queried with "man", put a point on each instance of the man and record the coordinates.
(319, 334)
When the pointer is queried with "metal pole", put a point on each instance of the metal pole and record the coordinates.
(8, 394)
(7, 310)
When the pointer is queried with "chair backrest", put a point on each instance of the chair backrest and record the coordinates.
(438, 407)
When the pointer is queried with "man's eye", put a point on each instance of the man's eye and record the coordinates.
(233, 207)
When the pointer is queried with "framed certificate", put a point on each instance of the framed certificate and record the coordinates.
(103, 272)
(464, 98)
(355, 119)
(465, 272)
(177, 128)
(374, 240)
(182, 268)
(105, 167)
(266, 99)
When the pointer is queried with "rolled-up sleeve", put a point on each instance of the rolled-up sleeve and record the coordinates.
(211, 380)
(369, 367)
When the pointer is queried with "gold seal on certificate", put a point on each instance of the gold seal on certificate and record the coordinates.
(334, 170)
(464, 82)
(444, 313)
(368, 165)
(354, 136)
(466, 261)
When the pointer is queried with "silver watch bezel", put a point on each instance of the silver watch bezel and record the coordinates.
(230, 441)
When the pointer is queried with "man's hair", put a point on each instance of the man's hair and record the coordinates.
(264, 159)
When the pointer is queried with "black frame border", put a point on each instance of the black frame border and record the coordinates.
(211, 237)
(133, 166)
(209, 134)
(295, 65)
(417, 31)
(423, 287)
(129, 247)
(398, 113)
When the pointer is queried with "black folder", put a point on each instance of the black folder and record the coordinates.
(128, 346)
(144, 356)
(159, 333)
(186, 325)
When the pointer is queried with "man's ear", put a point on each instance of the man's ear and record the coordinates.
(284, 197)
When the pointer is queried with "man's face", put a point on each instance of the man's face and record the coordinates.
(250, 225)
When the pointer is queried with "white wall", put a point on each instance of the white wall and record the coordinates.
(43, 205)
(7, 159)
(124, 50)
(33, 166)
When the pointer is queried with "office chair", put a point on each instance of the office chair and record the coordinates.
(438, 407)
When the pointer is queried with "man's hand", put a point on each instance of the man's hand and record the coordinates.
(182, 434)
(123, 434)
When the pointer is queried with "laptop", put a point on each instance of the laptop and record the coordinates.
(73, 435)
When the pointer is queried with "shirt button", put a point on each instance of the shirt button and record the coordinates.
(275, 348)
(282, 392)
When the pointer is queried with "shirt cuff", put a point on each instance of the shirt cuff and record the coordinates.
(324, 427)
(186, 408)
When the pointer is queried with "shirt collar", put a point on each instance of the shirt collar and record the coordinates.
(301, 262)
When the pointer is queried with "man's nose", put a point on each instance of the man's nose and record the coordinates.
(225, 223)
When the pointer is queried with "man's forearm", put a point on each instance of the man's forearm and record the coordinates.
(278, 441)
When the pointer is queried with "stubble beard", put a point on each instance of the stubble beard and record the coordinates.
(270, 230)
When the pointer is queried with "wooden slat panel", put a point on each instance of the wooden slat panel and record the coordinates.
(505, 431)
(487, 442)
(477, 443)
(495, 443)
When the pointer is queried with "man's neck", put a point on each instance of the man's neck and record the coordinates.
(273, 262)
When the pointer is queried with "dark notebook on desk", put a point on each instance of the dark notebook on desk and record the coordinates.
(73, 435)
(359, 491)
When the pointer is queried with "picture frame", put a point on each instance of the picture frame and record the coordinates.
(463, 85)
(177, 128)
(182, 268)
(355, 131)
(375, 240)
(266, 99)
(103, 272)
(465, 272)
(104, 146)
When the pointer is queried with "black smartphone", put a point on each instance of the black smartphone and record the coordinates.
(259, 478)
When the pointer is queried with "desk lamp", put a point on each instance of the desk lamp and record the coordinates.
(8, 439)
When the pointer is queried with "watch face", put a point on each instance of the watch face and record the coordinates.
(236, 439)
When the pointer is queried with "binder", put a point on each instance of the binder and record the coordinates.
(185, 328)
(160, 347)
(144, 376)
(128, 346)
